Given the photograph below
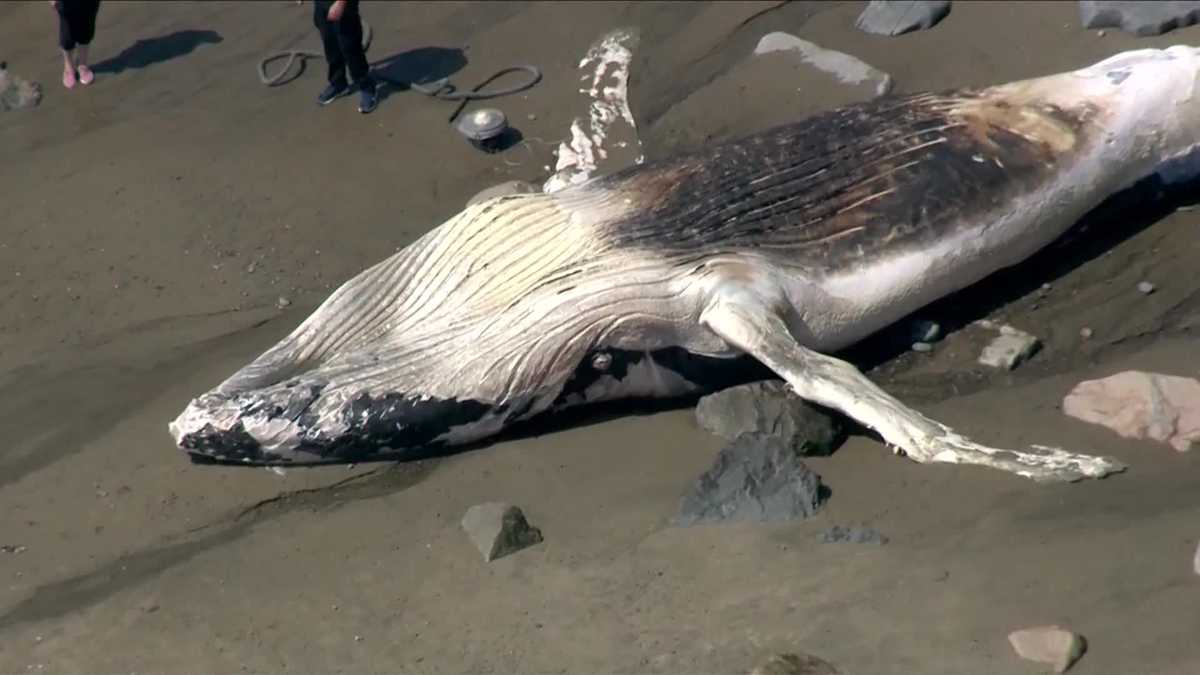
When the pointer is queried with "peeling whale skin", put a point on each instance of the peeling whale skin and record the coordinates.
(843, 222)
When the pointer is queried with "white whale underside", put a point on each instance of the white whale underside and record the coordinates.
(505, 301)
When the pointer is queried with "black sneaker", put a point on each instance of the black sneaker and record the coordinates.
(368, 98)
(332, 93)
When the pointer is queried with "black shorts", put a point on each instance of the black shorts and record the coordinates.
(76, 22)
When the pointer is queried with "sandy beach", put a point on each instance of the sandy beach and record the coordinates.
(151, 223)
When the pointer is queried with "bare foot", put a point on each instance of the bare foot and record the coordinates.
(69, 78)
(85, 75)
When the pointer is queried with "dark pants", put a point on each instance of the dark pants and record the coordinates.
(76, 22)
(342, 40)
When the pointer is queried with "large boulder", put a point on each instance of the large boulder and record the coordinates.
(1141, 17)
(897, 17)
(772, 409)
(754, 478)
(1135, 404)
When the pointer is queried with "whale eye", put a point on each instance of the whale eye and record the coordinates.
(601, 361)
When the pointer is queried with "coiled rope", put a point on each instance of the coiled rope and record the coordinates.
(441, 89)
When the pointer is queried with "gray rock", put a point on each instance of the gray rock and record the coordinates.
(17, 93)
(498, 529)
(754, 478)
(512, 187)
(1145, 287)
(922, 347)
(1057, 647)
(770, 408)
(1009, 349)
(795, 664)
(853, 535)
(1138, 404)
(1139, 18)
(883, 17)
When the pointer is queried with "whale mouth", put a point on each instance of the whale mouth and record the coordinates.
(292, 424)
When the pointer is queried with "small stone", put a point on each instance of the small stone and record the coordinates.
(896, 17)
(926, 331)
(1145, 287)
(1085, 333)
(1140, 18)
(13, 548)
(754, 478)
(923, 347)
(771, 408)
(531, 117)
(1054, 646)
(358, 638)
(251, 267)
(498, 529)
(853, 535)
(1101, 33)
(1009, 349)
(795, 664)
(282, 302)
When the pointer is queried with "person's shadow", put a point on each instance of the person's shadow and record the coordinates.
(424, 66)
(157, 50)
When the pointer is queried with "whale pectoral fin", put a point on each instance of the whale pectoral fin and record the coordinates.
(762, 332)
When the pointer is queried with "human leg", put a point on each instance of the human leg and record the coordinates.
(329, 42)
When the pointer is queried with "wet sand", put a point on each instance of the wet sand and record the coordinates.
(150, 222)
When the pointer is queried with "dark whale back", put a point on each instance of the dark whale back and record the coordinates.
(891, 173)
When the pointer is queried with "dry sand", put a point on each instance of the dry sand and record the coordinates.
(133, 211)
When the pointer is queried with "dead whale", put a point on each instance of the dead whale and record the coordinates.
(785, 245)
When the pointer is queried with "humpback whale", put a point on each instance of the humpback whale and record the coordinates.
(784, 246)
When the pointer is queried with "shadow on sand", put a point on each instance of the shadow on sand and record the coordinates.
(157, 50)
(422, 66)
